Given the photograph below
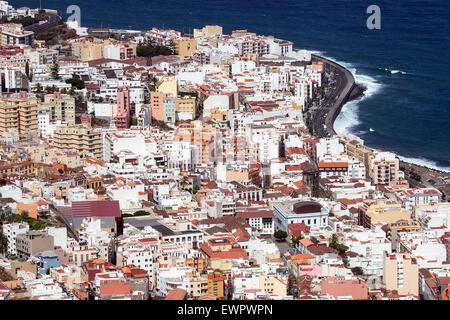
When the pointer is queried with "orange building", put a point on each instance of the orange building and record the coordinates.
(157, 105)
(34, 209)
(216, 284)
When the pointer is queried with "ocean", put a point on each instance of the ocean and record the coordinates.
(404, 65)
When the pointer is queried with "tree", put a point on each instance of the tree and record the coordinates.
(295, 240)
(3, 242)
(55, 71)
(24, 214)
(357, 271)
(151, 82)
(280, 235)
(76, 82)
(27, 70)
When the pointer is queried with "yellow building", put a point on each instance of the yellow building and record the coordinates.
(82, 254)
(186, 104)
(198, 286)
(365, 155)
(381, 210)
(219, 115)
(168, 85)
(79, 138)
(208, 31)
(19, 111)
(61, 107)
(216, 284)
(273, 285)
(185, 47)
(90, 48)
(198, 264)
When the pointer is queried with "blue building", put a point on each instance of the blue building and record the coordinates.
(45, 260)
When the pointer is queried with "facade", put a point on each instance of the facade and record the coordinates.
(157, 105)
(123, 118)
(15, 35)
(33, 242)
(79, 138)
(310, 213)
(216, 284)
(169, 105)
(60, 106)
(185, 47)
(401, 273)
(388, 211)
(11, 231)
(385, 167)
(20, 112)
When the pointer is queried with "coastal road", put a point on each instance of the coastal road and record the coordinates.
(323, 116)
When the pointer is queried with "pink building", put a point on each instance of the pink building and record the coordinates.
(312, 270)
(357, 289)
(123, 117)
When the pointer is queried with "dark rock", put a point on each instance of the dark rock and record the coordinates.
(357, 92)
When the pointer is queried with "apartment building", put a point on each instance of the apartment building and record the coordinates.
(356, 148)
(14, 34)
(185, 47)
(385, 167)
(84, 140)
(123, 118)
(61, 107)
(157, 105)
(19, 111)
(32, 242)
(11, 231)
(89, 48)
(388, 211)
(186, 108)
(216, 284)
(401, 273)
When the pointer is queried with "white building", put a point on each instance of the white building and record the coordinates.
(11, 231)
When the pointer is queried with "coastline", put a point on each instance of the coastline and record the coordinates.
(352, 91)
(349, 85)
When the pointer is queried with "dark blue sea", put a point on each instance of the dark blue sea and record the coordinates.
(405, 65)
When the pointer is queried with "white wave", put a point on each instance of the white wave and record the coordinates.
(394, 71)
(348, 117)
(424, 162)
(371, 130)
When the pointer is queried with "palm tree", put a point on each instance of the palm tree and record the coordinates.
(39, 88)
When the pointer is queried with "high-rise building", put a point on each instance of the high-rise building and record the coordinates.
(123, 117)
(401, 273)
(61, 107)
(79, 138)
(19, 111)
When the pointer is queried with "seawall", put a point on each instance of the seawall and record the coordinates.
(344, 95)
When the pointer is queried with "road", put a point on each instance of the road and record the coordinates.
(323, 116)
(52, 20)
